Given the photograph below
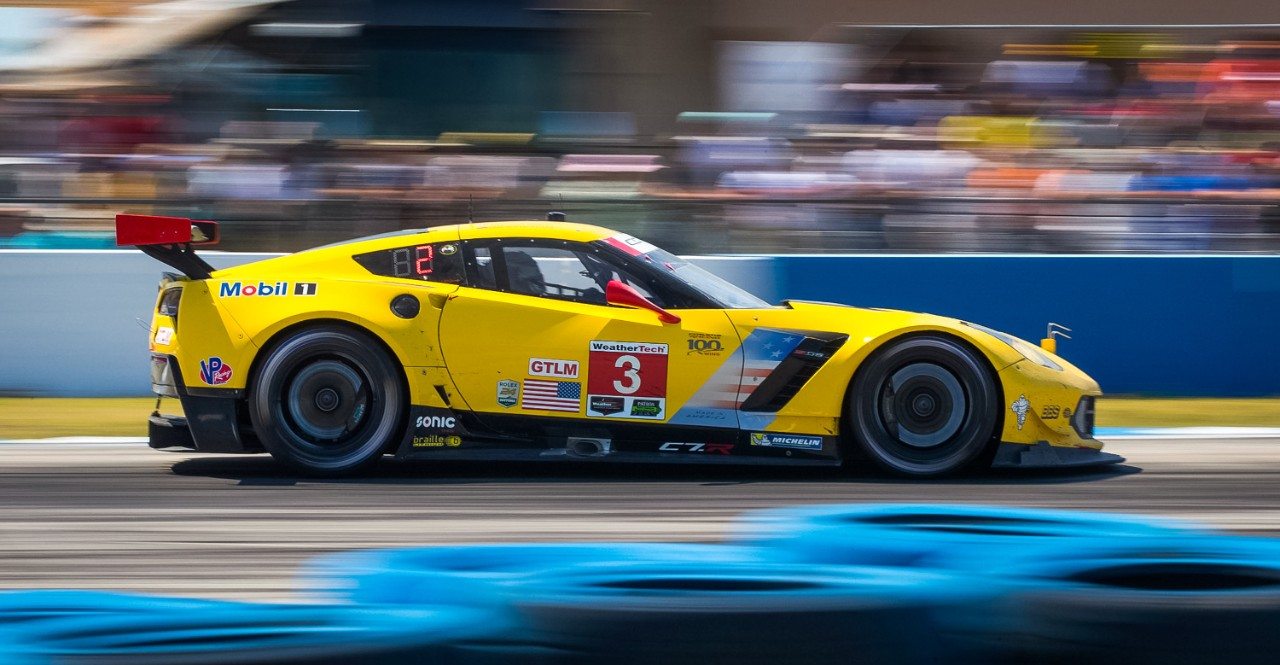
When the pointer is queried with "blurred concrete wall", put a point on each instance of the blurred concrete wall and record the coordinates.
(75, 322)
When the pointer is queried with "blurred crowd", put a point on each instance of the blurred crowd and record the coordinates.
(903, 141)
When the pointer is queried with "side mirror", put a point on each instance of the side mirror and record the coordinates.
(617, 293)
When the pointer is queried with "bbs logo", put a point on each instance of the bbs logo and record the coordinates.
(1050, 412)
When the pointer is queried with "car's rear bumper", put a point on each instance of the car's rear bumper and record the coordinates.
(211, 422)
(166, 432)
(1044, 456)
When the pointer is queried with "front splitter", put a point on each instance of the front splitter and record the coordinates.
(1044, 456)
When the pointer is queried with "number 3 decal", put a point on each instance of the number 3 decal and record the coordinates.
(630, 366)
(627, 380)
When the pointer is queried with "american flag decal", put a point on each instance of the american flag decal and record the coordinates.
(719, 400)
(551, 395)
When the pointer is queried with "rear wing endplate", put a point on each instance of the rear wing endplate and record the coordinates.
(170, 240)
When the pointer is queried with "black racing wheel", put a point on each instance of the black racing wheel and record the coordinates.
(327, 401)
(925, 406)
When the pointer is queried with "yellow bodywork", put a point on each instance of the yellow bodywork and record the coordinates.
(465, 340)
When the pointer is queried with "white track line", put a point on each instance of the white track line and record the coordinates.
(81, 439)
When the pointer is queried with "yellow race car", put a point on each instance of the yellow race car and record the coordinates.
(554, 340)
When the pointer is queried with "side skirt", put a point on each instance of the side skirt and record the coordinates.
(439, 433)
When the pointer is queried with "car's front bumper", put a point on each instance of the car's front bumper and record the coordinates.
(1044, 456)
(1050, 406)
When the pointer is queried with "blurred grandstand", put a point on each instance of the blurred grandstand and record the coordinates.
(299, 123)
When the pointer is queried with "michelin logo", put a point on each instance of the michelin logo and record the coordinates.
(264, 289)
(1020, 408)
(767, 440)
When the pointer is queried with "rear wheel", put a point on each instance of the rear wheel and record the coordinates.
(327, 401)
(925, 406)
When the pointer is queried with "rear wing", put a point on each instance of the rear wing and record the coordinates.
(170, 240)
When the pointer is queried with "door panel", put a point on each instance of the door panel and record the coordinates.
(515, 354)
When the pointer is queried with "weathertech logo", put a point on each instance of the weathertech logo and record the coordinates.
(629, 347)
(237, 289)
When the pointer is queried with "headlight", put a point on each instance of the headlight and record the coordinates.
(1027, 349)
(1082, 419)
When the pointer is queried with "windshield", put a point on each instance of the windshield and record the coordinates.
(719, 290)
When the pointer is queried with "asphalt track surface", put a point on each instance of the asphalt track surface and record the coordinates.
(122, 516)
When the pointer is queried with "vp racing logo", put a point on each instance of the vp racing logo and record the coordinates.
(214, 372)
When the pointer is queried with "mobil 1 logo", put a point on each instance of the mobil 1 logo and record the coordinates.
(265, 289)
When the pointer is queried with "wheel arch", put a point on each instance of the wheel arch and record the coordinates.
(265, 337)
(848, 447)
(274, 340)
(278, 337)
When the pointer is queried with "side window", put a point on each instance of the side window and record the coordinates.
(553, 269)
(642, 287)
(556, 272)
(480, 268)
(436, 262)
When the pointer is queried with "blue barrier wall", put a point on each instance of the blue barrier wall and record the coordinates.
(74, 322)
(1171, 325)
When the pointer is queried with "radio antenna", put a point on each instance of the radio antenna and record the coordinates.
(557, 215)
(470, 219)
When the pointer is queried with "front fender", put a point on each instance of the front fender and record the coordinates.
(1052, 398)
(817, 407)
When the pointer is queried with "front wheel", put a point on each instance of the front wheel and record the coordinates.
(925, 406)
(327, 401)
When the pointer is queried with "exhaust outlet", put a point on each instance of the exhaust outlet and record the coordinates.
(584, 447)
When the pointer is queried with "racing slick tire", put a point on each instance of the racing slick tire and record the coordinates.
(327, 401)
(970, 538)
(490, 576)
(480, 574)
(256, 633)
(1183, 601)
(925, 406)
(30, 608)
(635, 612)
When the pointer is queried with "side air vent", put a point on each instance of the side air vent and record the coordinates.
(793, 372)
